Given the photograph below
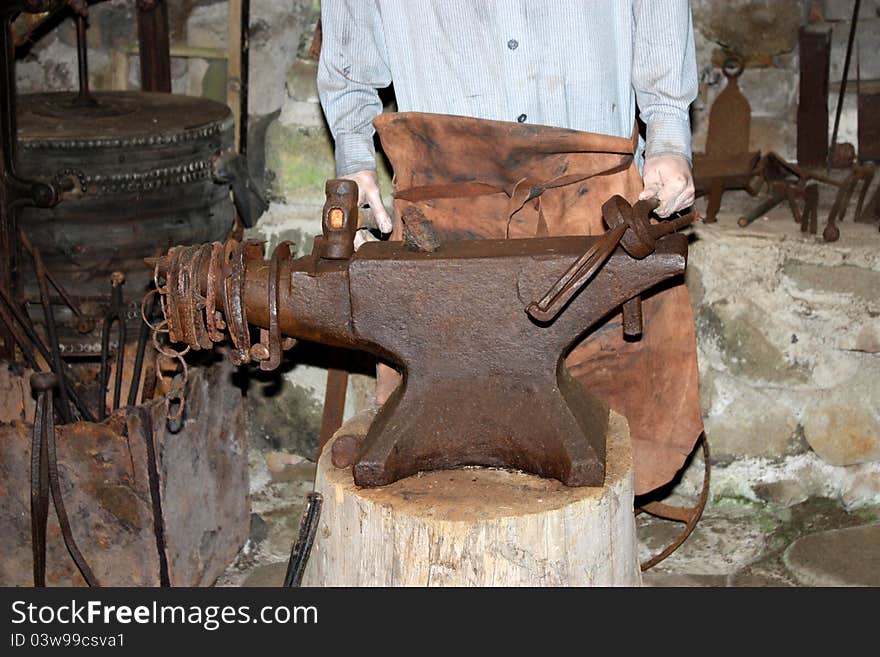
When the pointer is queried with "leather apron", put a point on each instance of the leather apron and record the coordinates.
(475, 178)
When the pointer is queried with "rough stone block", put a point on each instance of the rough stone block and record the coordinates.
(787, 324)
(863, 490)
(302, 160)
(843, 425)
(770, 91)
(867, 43)
(302, 81)
(759, 29)
(266, 92)
(774, 133)
(208, 26)
(740, 332)
(785, 492)
(860, 283)
(752, 424)
(301, 113)
(842, 10)
(837, 557)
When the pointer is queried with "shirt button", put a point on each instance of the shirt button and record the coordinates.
(522, 118)
(513, 44)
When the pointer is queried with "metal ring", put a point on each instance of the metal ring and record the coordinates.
(274, 333)
(211, 297)
(152, 327)
(233, 269)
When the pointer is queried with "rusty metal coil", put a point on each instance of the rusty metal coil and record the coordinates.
(199, 320)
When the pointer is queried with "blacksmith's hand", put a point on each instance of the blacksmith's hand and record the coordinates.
(370, 196)
(669, 179)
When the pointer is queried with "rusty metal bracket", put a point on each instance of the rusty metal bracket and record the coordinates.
(687, 515)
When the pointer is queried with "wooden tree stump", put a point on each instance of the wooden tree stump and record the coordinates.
(476, 526)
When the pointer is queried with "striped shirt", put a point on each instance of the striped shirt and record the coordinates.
(580, 64)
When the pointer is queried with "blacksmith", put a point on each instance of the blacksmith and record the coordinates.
(517, 118)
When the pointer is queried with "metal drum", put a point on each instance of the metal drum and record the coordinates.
(142, 169)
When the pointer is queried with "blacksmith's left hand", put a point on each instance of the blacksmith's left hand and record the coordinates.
(670, 180)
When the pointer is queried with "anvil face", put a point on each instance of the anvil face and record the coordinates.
(483, 383)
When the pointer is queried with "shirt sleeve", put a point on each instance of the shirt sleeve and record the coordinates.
(352, 67)
(664, 74)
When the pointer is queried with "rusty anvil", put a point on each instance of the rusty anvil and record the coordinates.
(484, 381)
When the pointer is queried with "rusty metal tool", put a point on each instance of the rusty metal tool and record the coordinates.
(13, 331)
(727, 163)
(84, 98)
(631, 229)
(687, 515)
(45, 479)
(483, 382)
(810, 217)
(40, 478)
(52, 336)
(115, 313)
(15, 190)
(791, 181)
(17, 316)
(47, 273)
(760, 210)
(302, 548)
(140, 350)
(842, 93)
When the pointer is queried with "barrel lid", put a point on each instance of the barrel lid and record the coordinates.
(119, 118)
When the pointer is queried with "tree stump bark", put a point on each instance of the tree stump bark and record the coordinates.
(476, 526)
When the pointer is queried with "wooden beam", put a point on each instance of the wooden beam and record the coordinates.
(155, 47)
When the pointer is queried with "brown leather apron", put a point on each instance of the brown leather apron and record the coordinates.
(475, 178)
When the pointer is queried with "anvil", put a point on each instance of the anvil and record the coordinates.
(483, 382)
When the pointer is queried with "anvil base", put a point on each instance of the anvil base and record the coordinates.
(548, 426)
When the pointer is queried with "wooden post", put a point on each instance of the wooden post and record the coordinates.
(476, 527)
(154, 40)
(234, 76)
(814, 51)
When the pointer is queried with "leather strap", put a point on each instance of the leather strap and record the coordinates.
(44, 475)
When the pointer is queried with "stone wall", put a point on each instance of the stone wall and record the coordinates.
(787, 330)
(789, 349)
